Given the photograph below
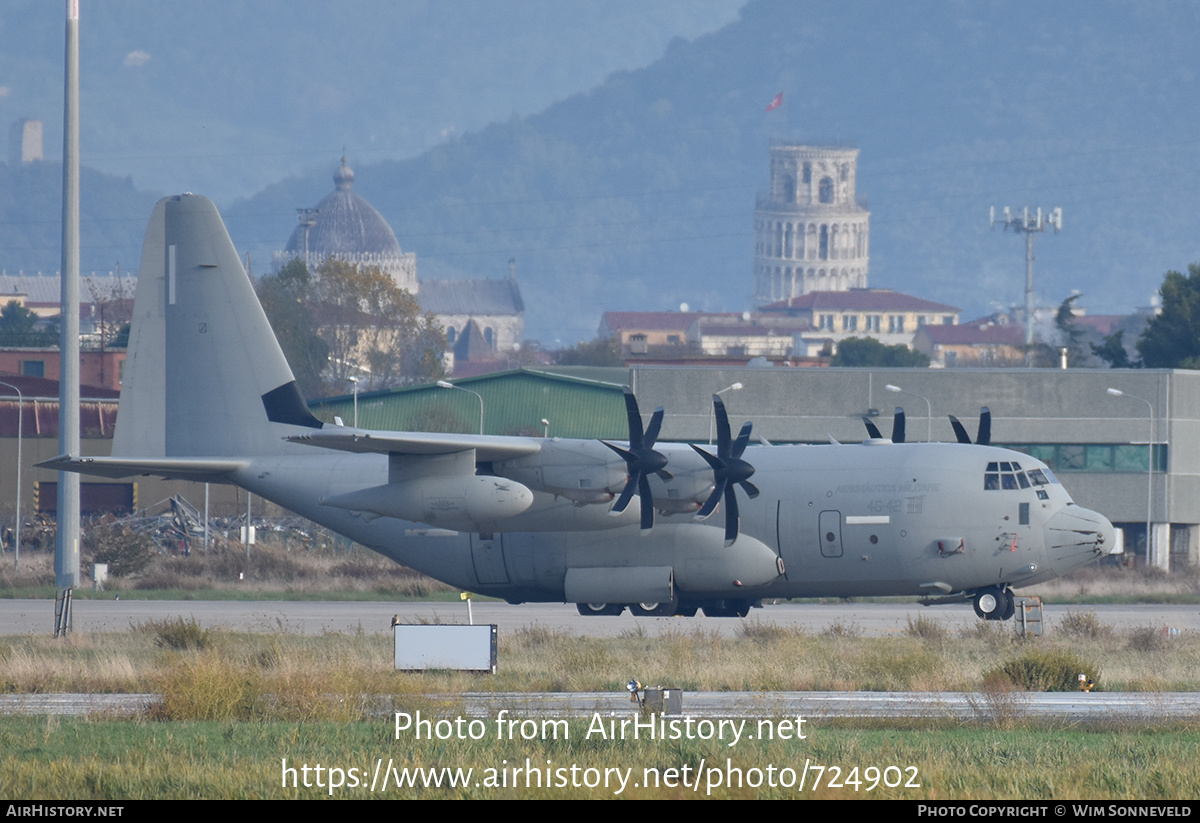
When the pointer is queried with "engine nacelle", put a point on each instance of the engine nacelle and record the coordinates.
(471, 503)
(581, 470)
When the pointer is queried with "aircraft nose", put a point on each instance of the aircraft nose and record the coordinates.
(1075, 536)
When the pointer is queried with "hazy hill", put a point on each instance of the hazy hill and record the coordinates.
(640, 193)
(226, 96)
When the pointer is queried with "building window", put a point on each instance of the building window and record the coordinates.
(489, 334)
(826, 322)
(849, 322)
(947, 319)
(638, 344)
(807, 174)
(895, 324)
(33, 368)
(826, 191)
(873, 321)
(451, 335)
(951, 358)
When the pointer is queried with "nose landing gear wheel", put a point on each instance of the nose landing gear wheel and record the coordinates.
(994, 603)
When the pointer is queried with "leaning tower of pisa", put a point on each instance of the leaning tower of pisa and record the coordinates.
(810, 233)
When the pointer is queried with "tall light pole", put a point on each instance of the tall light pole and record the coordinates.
(442, 384)
(17, 516)
(1030, 224)
(354, 380)
(66, 539)
(928, 410)
(1149, 465)
(712, 411)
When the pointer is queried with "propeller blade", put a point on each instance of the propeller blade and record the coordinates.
(959, 431)
(872, 430)
(728, 470)
(653, 429)
(647, 502)
(898, 426)
(743, 439)
(984, 437)
(640, 459)
(731, 516)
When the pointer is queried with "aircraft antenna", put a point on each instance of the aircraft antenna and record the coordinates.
(1030, 223)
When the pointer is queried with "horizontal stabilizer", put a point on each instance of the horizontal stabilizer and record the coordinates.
(199, 469)
(487, 447)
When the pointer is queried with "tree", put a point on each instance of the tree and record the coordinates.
(375, 330)
(599, 352)
(1172, 339)
(1072, 335)
(1112, 351)
(287, 299)
(18, 327)
(867, 351)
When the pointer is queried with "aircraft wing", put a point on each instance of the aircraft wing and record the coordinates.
(486, 447)
(199, 469)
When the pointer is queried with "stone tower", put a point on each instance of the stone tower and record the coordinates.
(810, 233)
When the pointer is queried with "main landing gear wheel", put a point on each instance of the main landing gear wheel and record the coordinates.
(653, 609)
(600, 609)
(994, 603)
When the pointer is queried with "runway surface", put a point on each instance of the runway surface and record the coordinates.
(312, 617)
(1075, 707)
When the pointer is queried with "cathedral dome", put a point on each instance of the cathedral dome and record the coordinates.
(345, 225)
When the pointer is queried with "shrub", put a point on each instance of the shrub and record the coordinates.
(1043, 670)
(125, 551)
(926, 628)
(1084, 624)
(178, 634)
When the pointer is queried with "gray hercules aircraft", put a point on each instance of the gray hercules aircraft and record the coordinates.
(209, 397)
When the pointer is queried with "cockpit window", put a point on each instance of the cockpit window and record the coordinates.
(1008, 475)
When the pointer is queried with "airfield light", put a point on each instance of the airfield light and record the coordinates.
(354, 380)
(928, 409)
(444, 384)
(1149, 462)
(545, 428)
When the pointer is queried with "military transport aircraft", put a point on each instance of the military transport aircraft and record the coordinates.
(209, 397)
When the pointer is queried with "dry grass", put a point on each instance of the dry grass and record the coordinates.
(1100, 584)
(537, 658)
(273, 566)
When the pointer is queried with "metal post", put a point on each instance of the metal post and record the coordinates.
(712, 411)
(66, 547)
(206, 517)
(17, 513)
(1029, 224)
(442, 384)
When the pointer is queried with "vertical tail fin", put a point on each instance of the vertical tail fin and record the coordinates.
(204, 374)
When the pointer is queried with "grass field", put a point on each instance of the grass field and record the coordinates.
(120, 760)
(235, 705)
